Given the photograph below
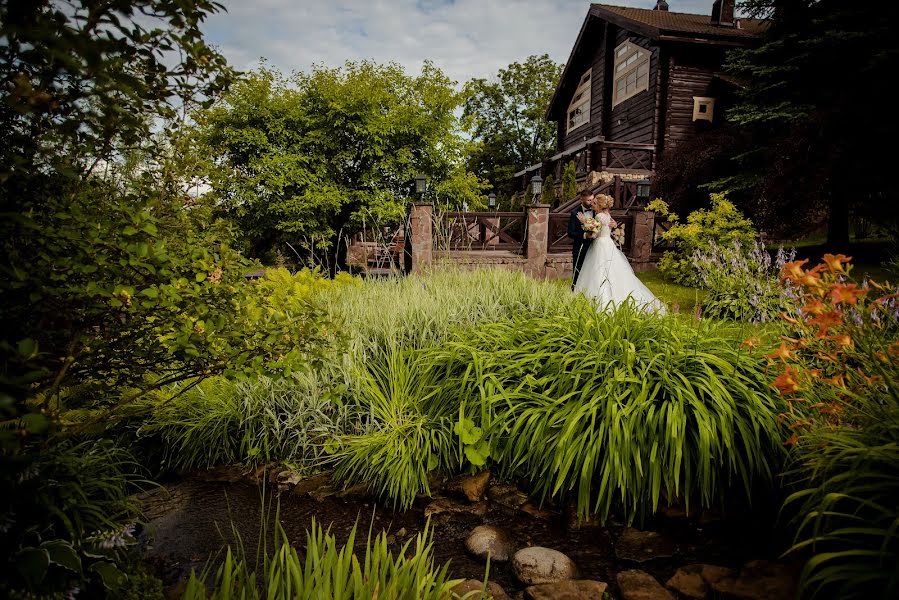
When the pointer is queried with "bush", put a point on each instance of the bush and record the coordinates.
(329, 571)
(722, 224)
(569, 182)
(742, 282)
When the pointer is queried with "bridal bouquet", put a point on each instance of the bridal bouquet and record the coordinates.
(589, 224)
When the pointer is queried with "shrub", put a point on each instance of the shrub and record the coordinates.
(548, 196)
(742, 282)
(329, 571)
(722, 224)
(569, 182)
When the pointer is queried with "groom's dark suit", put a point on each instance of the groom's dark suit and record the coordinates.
(579, 245)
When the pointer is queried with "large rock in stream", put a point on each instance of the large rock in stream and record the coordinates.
(537, 565)
(487, 540)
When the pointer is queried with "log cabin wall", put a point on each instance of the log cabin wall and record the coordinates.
(632, 120)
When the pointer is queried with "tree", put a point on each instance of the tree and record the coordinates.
(818, 106)
(569, 182)
(307, 159)
(549, 191)
(505, 117)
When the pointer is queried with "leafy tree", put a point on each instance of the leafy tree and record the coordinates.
(302, 160)
(569, 182)
(549, 191)
(505, 117)
(819, 105)
(114, 279)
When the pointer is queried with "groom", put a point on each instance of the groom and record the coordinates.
(580, 243)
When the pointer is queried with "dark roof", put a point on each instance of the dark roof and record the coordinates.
(658, 23)
(663, 25)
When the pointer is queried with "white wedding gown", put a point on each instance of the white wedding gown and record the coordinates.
(607, 275)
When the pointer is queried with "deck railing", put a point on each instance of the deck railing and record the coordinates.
(481, 231)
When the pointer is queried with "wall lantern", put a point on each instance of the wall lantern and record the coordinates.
(421, 185)
(536, 187)
(643, 188)
(491, 200)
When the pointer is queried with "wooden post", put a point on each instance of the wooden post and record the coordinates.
(538, 239)
(421, 229)
(641, 245)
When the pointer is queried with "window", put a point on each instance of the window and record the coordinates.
(703, 108)
(579, 108)
(631, 72)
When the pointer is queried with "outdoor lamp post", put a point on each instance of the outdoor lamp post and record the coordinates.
(491, 201)
(536, 188)
(421, 186)
(643, 191)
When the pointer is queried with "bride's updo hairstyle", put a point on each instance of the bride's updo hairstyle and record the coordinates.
(604, 201)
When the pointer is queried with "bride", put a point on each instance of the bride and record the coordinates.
(606, 274)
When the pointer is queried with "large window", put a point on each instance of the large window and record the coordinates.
(579, 108)
(631, 72)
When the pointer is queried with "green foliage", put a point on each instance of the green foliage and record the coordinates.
(63, 513)
(722, 224)
(505, 117)
(810, 133)
(549, 191)
(848, 518)
(329, 571)
(569, 182)
(303, 159)
(743, 282)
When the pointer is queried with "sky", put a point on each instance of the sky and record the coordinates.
(465, 38)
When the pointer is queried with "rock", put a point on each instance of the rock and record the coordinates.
(306, 486)
(639, 585)
(401, 533)
(764, 580)
(473, 487)
(688, 582)
(572, 589)
(533, 566)
(507, 495)
(444, 509)
(537, 512)
(487, 539)
(359, 490)
(473, 585)
(719, 579)
(641, 546)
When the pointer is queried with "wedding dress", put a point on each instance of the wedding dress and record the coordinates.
(608, 277)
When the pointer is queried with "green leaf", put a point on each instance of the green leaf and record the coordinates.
(110, 575)
(63, 554)
(27, 348)
(129, 231)
(35, 422)
(201, 276)
(32, 563)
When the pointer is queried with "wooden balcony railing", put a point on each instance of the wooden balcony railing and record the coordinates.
(559, 242)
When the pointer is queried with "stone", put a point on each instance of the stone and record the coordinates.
(401, 533)
(475, 486)
(473, 585)
(640, 585)
(487, 540)
(571, 589)
(444, 508)
(764, 580)
(641, 546)
(537, 512)
(719, 579)
(688, 582)
(307, 486)
(359, 490)
(507, 495)
(536, 565)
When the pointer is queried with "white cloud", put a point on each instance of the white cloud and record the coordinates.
(465, 38)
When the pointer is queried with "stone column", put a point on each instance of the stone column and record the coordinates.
(538, 233)
(641, 250)
(421, 228)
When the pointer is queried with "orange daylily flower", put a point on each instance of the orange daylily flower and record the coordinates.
(835, 262)
(792, 440)
(751, 343)
(815, 307)
(826, 320)
(793, 270)
(844, 340)
(846, 293)
(836, 381)
(783, 353)
(787, 382)
(894, 349)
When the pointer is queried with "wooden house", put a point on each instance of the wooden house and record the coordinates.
(638, 83)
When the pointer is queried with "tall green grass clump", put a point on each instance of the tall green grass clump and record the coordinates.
(221, 421)
(328, 570)
(416, 311)
(848, 506)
